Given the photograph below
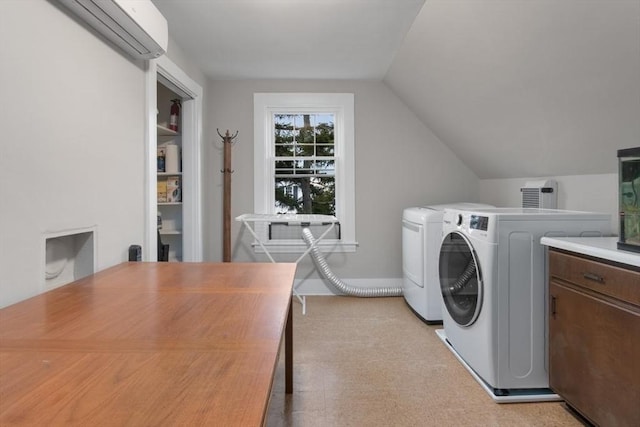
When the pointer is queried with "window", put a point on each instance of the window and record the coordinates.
(304, 178)
(304, 163)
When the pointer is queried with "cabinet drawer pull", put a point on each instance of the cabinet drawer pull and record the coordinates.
(594, 277)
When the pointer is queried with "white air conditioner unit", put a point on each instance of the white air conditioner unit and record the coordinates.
(540, 194)
(137, 26)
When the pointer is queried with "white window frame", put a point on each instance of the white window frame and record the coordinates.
(342, 106)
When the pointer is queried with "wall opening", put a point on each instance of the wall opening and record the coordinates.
(68, 257)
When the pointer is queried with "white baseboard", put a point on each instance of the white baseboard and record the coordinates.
(323, 287)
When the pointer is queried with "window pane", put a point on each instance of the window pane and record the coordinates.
(284, 150)
(305, 195)
(304, 150)
(324, 150)
(324, 132)
(283, 121)
(306, 135)
(284, 128)
(284, 167)
(325, 167)
(284, 136)
(298, 121)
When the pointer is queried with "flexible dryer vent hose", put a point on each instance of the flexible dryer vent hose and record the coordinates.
(322, 266)
(463, 280)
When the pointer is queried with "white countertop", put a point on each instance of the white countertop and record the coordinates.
(599, 247)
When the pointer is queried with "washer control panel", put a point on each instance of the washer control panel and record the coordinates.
(479, 222)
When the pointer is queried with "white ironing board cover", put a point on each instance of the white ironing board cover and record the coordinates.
(291, 219)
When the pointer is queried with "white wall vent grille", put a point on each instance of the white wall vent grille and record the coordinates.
(540, 194)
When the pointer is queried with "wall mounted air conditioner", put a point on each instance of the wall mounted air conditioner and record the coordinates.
(540, 194)
(136, 26)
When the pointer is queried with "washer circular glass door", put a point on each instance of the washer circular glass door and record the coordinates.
(460, 279)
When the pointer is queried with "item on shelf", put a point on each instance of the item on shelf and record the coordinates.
(175, 115)
(162, 191)
(161, 159)
(172, 158)
(163, 250)
(174, 189)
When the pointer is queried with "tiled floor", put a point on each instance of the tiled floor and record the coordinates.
(372, 362)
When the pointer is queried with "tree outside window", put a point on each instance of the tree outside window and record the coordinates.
(304, 147)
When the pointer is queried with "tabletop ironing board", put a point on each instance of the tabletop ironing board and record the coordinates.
(303, 220)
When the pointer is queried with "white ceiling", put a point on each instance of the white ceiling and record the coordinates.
(516, 88)
(290, 39)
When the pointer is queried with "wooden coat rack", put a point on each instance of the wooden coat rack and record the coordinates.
(227, 141)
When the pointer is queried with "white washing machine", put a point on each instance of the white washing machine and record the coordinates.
(421, 236)
(493, 279)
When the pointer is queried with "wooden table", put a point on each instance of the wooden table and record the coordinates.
(149, 344)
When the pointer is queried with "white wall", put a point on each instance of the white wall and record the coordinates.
(592, 193)
(73, 154)
(178, 57)
(399, 163)
(72, 142)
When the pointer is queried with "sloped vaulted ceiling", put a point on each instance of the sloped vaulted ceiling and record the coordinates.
(525, 88)
(516, 88)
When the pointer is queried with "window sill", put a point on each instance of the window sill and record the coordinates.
(297, 247)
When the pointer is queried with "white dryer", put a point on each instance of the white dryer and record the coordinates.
(421, 236)
(493, 279)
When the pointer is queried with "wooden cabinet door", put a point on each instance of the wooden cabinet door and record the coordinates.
(594, 356)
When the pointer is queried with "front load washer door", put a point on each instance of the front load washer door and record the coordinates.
(460, 279)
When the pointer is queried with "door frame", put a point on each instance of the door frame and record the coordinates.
(178, 81)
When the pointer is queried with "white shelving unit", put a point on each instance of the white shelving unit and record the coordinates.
(171, 213)
(165, 131)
